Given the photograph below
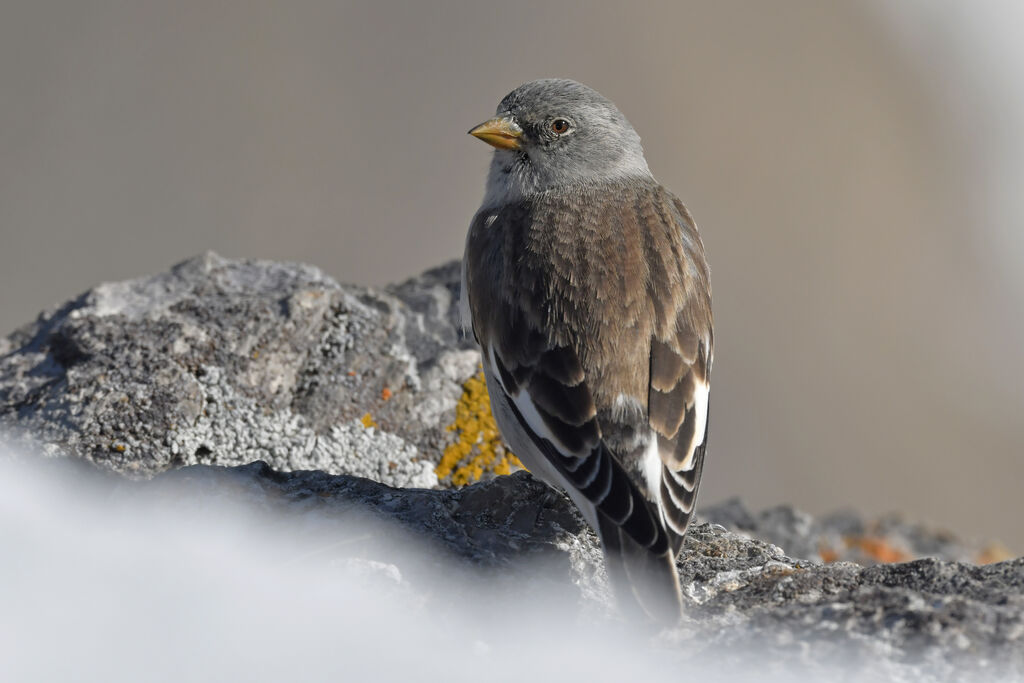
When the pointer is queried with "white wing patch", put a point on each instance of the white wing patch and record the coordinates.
(524, 404)
(700, 409)
(522, 443)
(701, 391)
(652, 466)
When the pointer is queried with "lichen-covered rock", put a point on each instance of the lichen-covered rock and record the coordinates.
(478, 449)
(228, 362)
(846, 536)
(351, 395)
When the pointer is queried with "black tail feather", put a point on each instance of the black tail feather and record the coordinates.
(645, 583)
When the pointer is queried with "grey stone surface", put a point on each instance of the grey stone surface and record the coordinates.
(189, 377)
(228, 362)
(842, 536)
(748, 603)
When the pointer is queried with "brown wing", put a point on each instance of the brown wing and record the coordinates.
(680, 366)
(679, 416)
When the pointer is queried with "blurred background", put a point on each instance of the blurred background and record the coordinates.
(855, 167)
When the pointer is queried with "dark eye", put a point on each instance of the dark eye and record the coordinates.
(559, 126)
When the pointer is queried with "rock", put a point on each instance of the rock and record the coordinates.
(328, 406)
(228, 362)
(842, 536)
(748, 604)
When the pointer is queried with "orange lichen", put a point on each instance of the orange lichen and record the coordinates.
(828, 554)
(385, 393)
(368, 421)
(994, 552)
(479, 449)
(878, 549)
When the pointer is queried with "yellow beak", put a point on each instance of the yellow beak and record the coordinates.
(501, 132)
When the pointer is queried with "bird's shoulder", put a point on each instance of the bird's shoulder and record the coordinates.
(600, 270)
(588, 229)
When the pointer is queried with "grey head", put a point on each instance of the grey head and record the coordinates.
(556, 133)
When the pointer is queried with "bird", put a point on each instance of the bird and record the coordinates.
(585, 284)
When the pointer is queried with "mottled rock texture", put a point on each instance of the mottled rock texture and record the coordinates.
(228, 362)
(748, 603)
(256, 381)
